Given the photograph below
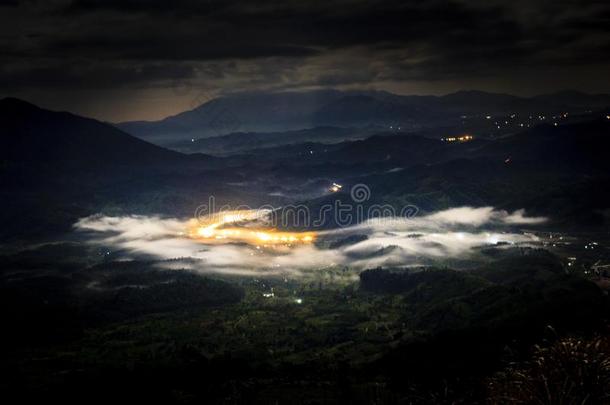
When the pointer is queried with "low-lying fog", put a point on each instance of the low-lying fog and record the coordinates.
(451, 234)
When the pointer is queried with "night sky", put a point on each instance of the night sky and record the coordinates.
(131, 59)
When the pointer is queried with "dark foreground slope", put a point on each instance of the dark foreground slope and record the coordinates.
(41, 139)
(56, 167)
(128, 331)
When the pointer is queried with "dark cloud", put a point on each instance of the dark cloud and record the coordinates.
(243, 44)
(94, 75)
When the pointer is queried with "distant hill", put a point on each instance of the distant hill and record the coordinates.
(560, 172)
(248, 112)
(32, 135)
(293, 111)
(579, 146)
(240, 142)
(576, 147)
(56, 167)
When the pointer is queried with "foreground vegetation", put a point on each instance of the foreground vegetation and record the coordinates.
(79, 323)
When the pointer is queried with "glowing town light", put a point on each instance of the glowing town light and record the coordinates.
(232, 218)
(218, 227)
(335, 188)
(206, 232)
(263, 236)
(462, 138)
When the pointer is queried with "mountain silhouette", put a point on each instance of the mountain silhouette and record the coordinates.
(293, 111)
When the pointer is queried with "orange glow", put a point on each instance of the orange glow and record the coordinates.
(215, 228)
(335, 188)
(462, 138)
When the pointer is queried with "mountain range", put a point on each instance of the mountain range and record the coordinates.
(294, 111)
(57, 167)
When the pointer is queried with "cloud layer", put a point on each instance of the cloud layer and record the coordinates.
(96, 50)
(447, 234)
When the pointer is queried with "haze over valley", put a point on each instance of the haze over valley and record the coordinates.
(386, 202)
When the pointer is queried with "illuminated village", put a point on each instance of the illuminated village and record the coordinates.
(462, 138)
(225, 227)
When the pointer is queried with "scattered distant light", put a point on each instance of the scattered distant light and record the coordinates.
(336, 187)
(462, 138)
(488, 117)
(298, 300)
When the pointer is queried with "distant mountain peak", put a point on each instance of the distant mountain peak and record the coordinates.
(293, 110)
